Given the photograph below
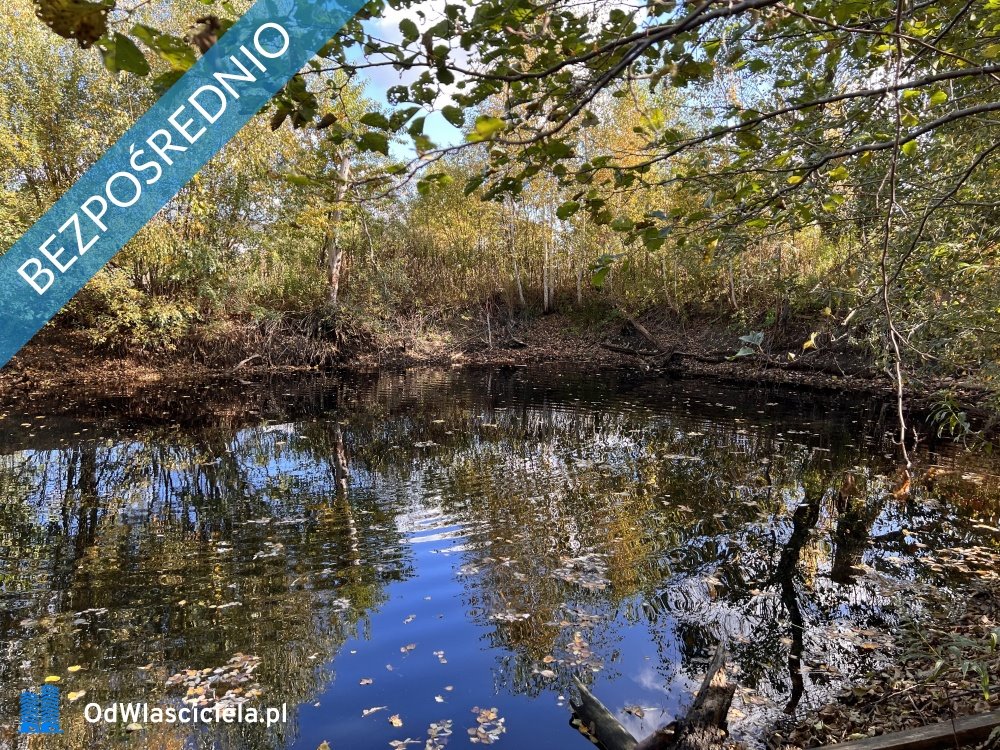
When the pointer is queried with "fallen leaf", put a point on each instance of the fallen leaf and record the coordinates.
(395, 720)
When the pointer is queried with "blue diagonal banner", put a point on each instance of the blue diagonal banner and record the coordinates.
(158, 156)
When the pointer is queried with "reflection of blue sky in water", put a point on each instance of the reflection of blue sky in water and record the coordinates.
(513, 530)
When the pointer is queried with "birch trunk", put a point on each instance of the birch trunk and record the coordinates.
(334, 250)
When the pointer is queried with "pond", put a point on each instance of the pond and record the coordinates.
(399, 556)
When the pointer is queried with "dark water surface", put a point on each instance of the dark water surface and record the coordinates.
(463, 541)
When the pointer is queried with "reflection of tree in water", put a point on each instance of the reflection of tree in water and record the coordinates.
(179, 554)
(584, 507)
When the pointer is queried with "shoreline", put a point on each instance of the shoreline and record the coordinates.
(63, 365)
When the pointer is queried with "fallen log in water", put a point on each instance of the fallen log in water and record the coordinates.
(704, 727)
(599, 722)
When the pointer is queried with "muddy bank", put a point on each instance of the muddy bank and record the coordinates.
(64, 362)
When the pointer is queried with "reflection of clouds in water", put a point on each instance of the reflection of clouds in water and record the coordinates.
(650, 679)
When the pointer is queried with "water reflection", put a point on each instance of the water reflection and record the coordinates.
(437, 542)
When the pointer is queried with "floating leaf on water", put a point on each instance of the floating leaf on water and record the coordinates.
(74, 668)
(395, 720)
(439, 698)
(366, 681)
(490, 726)
(53, 678)
(438, 734)
(635, 711)
(373, 709)
(76, 695)
(587, 571)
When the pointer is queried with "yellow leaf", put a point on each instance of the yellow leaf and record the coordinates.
(74, 668)
(395, 720)
(76, 695)
(52, 678)
(811, 342)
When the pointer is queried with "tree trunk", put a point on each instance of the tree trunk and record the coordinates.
(704, 727)
(579, 285)
(333, 249)
(512, 251)
(545, 276)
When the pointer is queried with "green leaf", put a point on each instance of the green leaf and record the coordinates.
(838, 174)
(417, 126)
(84, 21)
(599, 276)
(121, 54)
(833, 202)
(473, 184)
(601, 268)
(438, 179)
(374, 142)
(558, 149)
(444, 75)
(409, 30)
(300, 179)
(486, 128)
(422, 143)
(567, 209)
(375, 120)
(939, 97)
(454, 115)
(163, 82)
(173, 50)
(909, 148)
